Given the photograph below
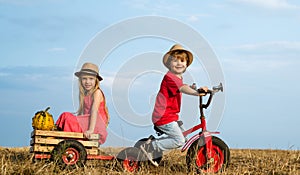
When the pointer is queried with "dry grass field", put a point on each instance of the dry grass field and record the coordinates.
(243, 161)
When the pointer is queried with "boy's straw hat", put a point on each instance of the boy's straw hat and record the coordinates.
(177, 47)
(89, 69)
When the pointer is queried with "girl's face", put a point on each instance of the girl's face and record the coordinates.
(178, 64)
(88, 82)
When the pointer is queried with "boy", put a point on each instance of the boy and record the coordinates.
(168, 101)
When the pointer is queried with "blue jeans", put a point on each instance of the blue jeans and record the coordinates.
(174, 138)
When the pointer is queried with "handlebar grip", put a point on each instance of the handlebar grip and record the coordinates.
(201, 91)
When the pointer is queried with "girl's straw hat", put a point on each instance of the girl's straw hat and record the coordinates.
(89, 69)
(178, 47)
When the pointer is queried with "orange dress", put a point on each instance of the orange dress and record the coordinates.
(71, 123)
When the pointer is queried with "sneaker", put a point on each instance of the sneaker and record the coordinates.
(145, 148)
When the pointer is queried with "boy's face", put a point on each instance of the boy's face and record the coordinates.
(178, 63)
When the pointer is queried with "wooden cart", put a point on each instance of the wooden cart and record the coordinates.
(66, 148)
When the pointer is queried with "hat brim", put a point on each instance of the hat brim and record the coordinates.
(78, 74)
(168, 54)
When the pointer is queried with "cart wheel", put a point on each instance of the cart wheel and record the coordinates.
(69, 154)
(157, 155)
(196, 156)
(129, 159)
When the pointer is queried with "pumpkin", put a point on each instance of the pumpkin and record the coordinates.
(43, 120)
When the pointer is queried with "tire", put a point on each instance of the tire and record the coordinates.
(157, 155)
(69, 154)
(129, 159)
(196, 156)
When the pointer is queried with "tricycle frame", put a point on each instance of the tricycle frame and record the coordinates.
(213, 147)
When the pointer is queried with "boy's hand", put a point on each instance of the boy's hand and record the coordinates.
(202, 90)
(193, 86)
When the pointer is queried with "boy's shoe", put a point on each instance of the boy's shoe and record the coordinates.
(146, 147)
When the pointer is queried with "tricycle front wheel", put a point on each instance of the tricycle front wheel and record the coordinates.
(197, 161)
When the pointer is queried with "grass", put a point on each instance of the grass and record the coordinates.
(243, 161)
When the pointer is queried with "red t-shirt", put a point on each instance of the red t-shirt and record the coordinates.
(168, 100)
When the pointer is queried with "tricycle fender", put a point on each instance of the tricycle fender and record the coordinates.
(206, 135)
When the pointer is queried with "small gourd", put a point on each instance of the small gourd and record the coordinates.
(43, 120)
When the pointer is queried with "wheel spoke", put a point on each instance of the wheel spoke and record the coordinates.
(197, 158)
(130, 164)
(129, 159)
(71, 156)
(214, 164)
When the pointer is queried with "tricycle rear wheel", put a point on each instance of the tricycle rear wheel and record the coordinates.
(129, 159)
(157, 155)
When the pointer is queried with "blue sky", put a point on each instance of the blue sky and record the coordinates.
(257, 44)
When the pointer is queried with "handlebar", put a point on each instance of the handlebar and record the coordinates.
(218, 88)
(214, 89)
(211, 92)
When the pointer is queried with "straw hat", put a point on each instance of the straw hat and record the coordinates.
(89, 69)
(178, 47)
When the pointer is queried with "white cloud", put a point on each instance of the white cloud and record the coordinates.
(25, 3)
(271, 4)
(272, 46)
(56, 49)
(163, 7)
(3, 74)
(193, 18)
(247, 64)
(157, 7)
(14, 2)
(266, 56)
(196, 17)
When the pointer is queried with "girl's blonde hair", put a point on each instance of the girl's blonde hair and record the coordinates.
(82, 94)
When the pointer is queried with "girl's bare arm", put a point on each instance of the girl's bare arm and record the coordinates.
(97, 99)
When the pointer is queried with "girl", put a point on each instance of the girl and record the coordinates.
(92, 115)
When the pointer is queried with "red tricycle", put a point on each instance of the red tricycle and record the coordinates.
(205, 152)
